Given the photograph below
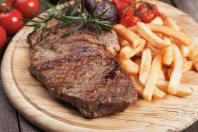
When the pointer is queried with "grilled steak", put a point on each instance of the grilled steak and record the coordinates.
(80, 69)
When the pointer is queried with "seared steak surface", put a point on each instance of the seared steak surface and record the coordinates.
(80, 69)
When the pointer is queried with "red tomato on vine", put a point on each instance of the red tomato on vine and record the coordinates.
(3, 37)
(29, 8)
(11, 21)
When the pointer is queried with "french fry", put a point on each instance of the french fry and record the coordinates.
(145, 66)
(124, 42)
(168, 53)
(134, 29)
(157, 40)
(137, 85)
(187, 65)
(162, 75)
(129, 66)
(182, 90)
(193, 51)
(181, 37)
(158, 94)
(154, 51)
(158, 21)
(147, 34)
(177, 71)
(184, 50)
(125, 33)
(195, 65)
(153, 77)
(127, 52)
(171, 23)
(140, 88)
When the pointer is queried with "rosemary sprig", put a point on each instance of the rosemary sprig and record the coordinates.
(67, 15)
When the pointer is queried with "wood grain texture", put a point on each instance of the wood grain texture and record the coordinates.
(188, 6)
(8, 115)
(25, 126)
(8, 118)
(32, 100)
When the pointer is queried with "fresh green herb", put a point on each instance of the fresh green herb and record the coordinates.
(69, 14)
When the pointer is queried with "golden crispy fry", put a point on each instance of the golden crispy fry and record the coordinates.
(195, 65)
(193, 51)
(125, 33)
(182, 90)
(147, 34)
(168, 53)
(129, 66)
(153, 77)
(162, 75)
(158, 21)
(154, 51)
(145, 66)
(171, 23)
(127, 52)
(184, 50)
(177, 71)
(158, 94)
(157, 40)
(124, 42)
(134, 29)
(181, 37)
(140, 88)
(187, 65)
(137, 85)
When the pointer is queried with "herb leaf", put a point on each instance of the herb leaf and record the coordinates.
(68, 17)
(73, 30)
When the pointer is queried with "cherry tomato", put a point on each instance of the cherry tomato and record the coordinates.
(120, 5)
(10, 21)
(7, 3)
(147, 12)
(154, 9)
(132, 2)
(147, 17)
(130, 21)
(128, 12)
(123, 4)
(3, 37)
(141, 9)
(29, 8)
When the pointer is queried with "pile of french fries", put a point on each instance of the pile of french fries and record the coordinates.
(155, 55)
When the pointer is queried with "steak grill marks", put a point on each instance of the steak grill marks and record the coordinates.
(80, 70)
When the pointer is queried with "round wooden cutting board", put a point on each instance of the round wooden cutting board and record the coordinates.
(32, 100)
